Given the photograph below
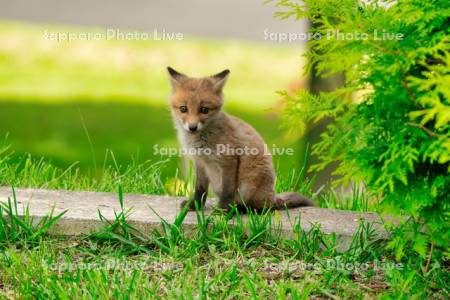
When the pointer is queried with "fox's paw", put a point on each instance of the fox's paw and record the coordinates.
(225, 207)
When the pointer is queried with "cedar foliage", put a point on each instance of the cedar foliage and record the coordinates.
(391, 127)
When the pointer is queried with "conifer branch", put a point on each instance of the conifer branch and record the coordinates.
(428, 131)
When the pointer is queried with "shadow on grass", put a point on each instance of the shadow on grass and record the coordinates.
(83, 131)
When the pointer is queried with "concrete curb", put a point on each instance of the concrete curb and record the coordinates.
(82, 216)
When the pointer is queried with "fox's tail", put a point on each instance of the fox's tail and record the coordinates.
(291, 199)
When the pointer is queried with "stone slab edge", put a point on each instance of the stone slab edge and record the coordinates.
(82, 212)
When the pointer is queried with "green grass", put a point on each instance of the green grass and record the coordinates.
(60, 133)
(216, 259)
(73, 101)
(220, 258)
(23, 228)
(147, 178)
(134, 71)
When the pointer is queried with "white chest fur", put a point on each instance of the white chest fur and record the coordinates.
(196, 148)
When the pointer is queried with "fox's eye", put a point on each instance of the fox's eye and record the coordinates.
(204, 110)
(183, 109)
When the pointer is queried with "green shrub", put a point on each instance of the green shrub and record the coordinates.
(391, 119)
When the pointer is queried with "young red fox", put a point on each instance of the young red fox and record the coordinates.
(227, 152)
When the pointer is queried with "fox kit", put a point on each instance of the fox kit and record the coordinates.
(216, 142)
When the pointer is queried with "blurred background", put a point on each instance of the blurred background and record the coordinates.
(73, 99)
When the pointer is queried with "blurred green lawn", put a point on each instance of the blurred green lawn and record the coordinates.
(55, 96)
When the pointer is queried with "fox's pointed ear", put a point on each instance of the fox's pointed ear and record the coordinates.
(175, 77)
(220, 79)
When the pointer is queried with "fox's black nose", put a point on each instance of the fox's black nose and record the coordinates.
(193, 127)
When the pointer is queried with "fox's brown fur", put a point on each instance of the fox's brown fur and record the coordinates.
(242, 180)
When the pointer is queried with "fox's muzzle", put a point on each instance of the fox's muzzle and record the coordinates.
(193, 127)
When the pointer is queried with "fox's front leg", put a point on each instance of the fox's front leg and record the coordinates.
(229, 184)
(201, 189)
